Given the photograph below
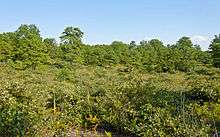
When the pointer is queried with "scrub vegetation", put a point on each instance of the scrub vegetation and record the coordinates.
(138, 89)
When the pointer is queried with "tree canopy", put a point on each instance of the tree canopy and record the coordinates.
(215, 51)
(26, 48)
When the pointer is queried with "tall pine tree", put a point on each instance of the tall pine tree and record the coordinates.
(215, 51)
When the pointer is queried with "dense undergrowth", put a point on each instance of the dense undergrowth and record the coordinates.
(49, 101)
(138, 89)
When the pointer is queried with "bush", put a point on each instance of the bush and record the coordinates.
(51, 101)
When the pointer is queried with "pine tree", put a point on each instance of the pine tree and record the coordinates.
(215, 51)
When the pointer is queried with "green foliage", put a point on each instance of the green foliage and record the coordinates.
(53, 101)
(215, 51)
(71, 36)
(64, 74)
(25, 48)
(146, 89)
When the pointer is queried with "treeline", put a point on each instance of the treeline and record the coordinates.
(25, 48)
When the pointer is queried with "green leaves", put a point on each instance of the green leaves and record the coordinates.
(25, 48)
(71, 84)
(54, 100)
(215, 51)
(71, 36)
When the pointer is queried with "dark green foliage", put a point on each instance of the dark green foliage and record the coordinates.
(215, 51)
(71, 36)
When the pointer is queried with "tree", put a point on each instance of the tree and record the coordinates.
(184, 42)
(51, 47)
(121, 50)
(183, 54)
(29, 49)
(132, 44)
(50, 42)
(71, 36)
(7, 45)
(156, 43)
(144, 43)
(71, 45)
(215, 51)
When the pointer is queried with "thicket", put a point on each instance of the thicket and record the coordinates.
(146, 89)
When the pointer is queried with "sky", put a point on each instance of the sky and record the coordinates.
(104, 21)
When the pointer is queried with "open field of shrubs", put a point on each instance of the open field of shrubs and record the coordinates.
(53, 102)
(144, 89)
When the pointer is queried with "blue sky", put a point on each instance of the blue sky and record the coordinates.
(104, 21)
